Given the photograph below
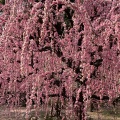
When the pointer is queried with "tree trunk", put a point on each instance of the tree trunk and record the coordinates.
(79, 106)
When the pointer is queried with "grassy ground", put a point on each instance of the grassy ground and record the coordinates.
(99, 116)
(106, 113)
(19, 114)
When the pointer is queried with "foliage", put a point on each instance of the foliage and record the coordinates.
(2, 1)
(65, 52)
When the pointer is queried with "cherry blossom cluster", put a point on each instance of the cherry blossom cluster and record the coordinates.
(63, 51)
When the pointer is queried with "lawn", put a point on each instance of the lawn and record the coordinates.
(105, 113)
